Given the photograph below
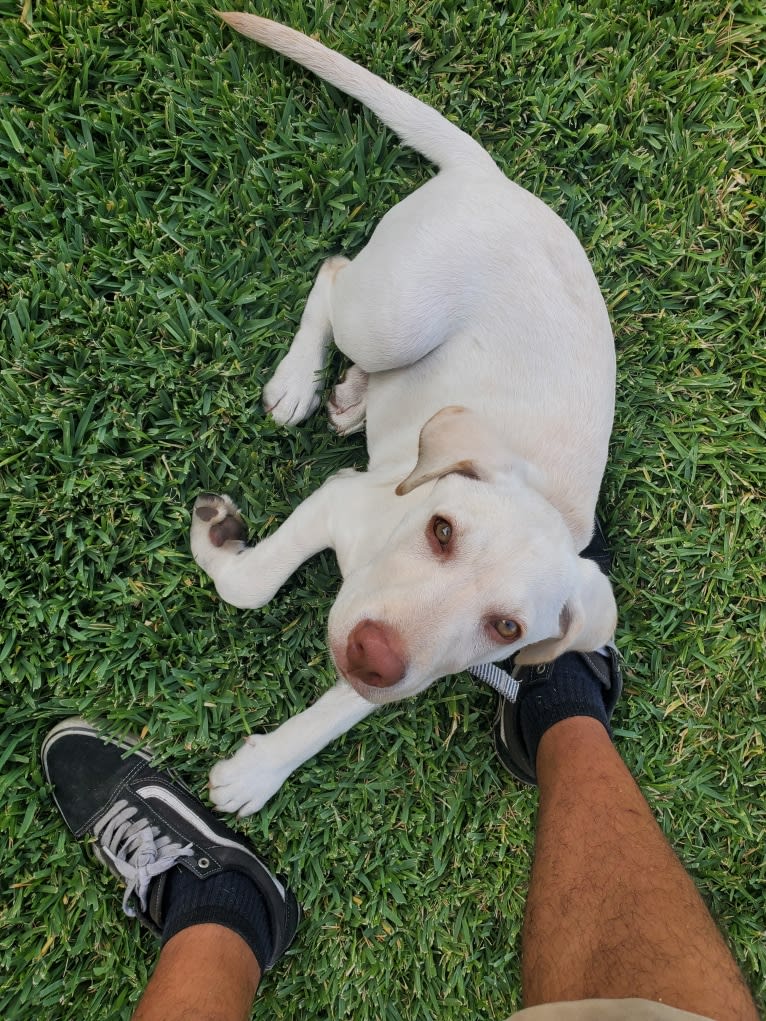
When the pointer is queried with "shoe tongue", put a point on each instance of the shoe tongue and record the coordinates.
(154, 907)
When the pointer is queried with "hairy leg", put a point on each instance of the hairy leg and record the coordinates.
(204, 973)
(611, 911)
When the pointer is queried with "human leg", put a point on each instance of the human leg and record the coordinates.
(204, 973)
(223, 917)
(611, 912)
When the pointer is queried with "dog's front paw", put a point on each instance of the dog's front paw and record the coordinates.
(245, 782)
(216, 523)
(292, 393)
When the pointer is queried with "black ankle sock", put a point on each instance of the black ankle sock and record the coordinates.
(229, 898)
(573, 691)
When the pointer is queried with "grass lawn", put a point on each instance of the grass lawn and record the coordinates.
(168, 192)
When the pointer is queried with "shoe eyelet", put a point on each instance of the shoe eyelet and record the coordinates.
(203, 863)
(541, 668)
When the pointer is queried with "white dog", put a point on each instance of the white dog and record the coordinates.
(484, 373)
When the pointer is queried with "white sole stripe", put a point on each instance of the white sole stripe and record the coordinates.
(169, 799)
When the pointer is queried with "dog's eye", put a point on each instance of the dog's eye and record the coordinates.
(442, 529)
(507, 629)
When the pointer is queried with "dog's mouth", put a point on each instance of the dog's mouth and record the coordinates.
(375, 695)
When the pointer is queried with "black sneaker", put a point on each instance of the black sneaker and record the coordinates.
(146, 821)
(514, 683)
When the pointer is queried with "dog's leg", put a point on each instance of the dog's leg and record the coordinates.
(292, 393)
(246, 781)
(347, 407)
(248, 576)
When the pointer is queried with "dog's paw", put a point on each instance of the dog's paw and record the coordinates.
(347, 407)
(216, 523)
(292, 393)
(245, 782)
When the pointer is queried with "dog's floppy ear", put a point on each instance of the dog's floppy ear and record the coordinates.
(587, 619)
(455, 440)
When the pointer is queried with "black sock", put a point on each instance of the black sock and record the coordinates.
(229, 898)
(573, 691)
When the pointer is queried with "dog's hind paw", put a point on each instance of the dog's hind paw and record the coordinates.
(292, 393)
(245, 782)
(347, 407)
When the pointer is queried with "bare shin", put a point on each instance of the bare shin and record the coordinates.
(611, 911)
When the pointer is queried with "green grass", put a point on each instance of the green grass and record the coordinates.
(168, 192)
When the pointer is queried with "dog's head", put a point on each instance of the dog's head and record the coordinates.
(475, 568)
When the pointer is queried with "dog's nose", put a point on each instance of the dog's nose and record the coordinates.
(374, 654)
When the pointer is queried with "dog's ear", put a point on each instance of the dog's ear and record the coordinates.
(587, 619)
(455, 440)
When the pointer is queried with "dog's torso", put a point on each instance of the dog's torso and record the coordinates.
(516, 324)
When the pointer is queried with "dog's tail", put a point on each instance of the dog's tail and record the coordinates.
(417, 124)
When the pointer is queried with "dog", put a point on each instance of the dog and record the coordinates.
(483, 370)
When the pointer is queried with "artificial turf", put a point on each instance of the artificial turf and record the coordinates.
(168, 192)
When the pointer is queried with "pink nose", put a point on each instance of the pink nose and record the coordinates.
(374, 654)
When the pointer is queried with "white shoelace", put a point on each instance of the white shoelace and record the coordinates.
(136, 851)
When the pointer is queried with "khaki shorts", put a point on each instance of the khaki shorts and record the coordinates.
(605, 1010)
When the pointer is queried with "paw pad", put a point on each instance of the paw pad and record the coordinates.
(229, 528)
(222, 516)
